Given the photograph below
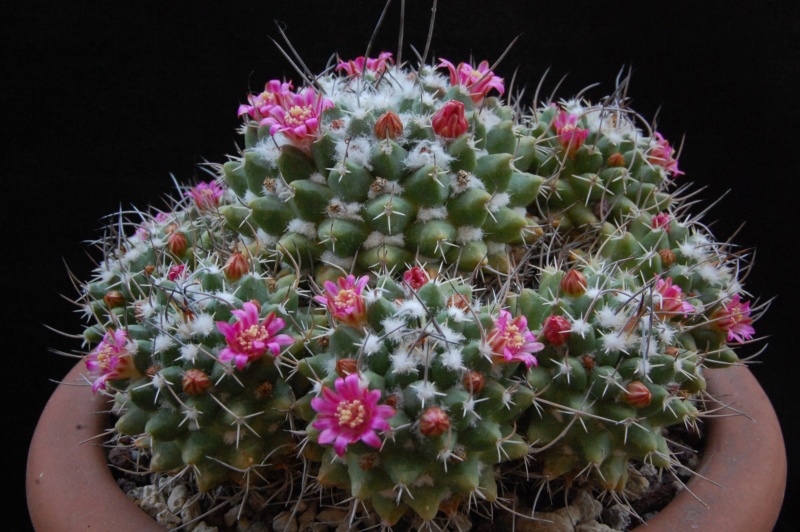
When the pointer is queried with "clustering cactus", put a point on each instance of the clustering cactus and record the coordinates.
(381, 165)
(314, 309)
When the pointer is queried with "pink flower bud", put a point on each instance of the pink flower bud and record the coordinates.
(637, 395)
(556, 329)
(195, 382)
(449, 121)
(114, 299)
(177, 243)
(346, 366)
(388, 126)
(661, 221)
(615, 160)
(573, 283)
(473, 382)
(236, 267)
(434, 422)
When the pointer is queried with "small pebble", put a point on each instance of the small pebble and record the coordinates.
(284, 522)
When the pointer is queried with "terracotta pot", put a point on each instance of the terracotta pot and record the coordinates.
(70, 487)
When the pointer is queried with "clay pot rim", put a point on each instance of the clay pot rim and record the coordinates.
(741, 452)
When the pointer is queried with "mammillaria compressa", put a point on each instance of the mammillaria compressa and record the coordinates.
(403, 288)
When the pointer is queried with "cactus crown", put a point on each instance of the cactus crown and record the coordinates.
(404, 287)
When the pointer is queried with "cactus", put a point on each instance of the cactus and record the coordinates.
(393, 166)
(313, 311)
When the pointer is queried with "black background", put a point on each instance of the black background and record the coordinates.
(102, 101)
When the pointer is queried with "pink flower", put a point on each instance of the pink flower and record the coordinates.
(734, 318)
(296, 115)
(449, 121)
(668, 299)
(177, 272)
(111, 360)
(361, 65)
(248, 340)
(344, 300)
(260, 104)
(511, 340)
(570, 136)
(661, 221)
(349, 414)
(660, 154)
(416, 277)
(478, 81)
(206, 195)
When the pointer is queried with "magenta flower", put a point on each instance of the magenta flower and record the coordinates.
(478, 81)
(344, 300)
(176, 272)
(248, 339)
(415, 277)
(111, 360)
(511, 340)
(260, 104)
(661, 153)
(349, 414)
(734, 319)
(570, 136)
(668, 300)
(662, 220)
(360, 65)
(206, 195)
(296, 115)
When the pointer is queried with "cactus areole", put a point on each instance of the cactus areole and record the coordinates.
(408, 294)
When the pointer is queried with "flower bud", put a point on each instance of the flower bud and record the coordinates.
(434, 422)
(388, 126)
(346, 366)
(473, 382)
(195, 382)
(556, 329)
(415, 277)
(236, 267)
(667, 257)
(637, 395)
(615, 160)
(573, 283)
(114, 299)
(177, 243)
(449, 121)
(149, 269)
(264, 390)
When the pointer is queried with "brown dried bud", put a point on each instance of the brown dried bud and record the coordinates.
(667, 257)
(459, 301)
(346, 366)
(177, 243)
(573, 283)
(601, 209)
(114, 299)
(195, 382)
(367, 461)
(434, 422)
(615, 159)
(672, 351)
(473, 382)
(588, 362)
(152, 370)
(637, 395)
(171, 228)
(324, 341)
(337, 124)
(149, 269)
(450, 505)
(393, 400)
(264, 390)
(388, 126)
(236, 267)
